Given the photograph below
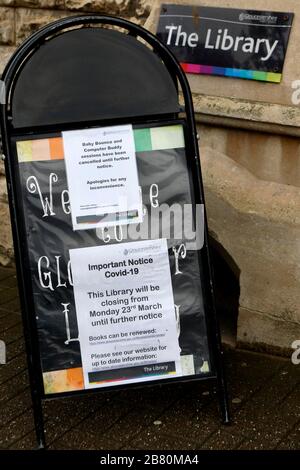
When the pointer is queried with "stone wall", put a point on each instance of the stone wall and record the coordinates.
(19, 19)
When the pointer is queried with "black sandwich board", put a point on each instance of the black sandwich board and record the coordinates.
(92, 111)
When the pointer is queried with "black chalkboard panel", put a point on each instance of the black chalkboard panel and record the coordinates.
(162, 169)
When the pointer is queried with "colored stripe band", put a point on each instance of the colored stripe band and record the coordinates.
(148, 139)
(231, 72)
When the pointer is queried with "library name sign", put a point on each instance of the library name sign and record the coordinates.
(227, 42)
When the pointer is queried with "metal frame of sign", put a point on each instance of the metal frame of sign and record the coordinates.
(10, 75)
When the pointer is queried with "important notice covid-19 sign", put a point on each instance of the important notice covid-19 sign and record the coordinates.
(227, 42)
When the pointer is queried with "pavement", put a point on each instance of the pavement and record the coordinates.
(264, 396)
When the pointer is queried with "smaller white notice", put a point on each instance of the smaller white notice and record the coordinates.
(102, 177)
(125, 313)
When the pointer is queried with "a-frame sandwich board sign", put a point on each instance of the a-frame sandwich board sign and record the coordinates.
(98, 149)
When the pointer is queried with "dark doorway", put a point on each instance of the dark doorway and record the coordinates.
(227, 291)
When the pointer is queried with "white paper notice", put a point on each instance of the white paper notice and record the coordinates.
(102, 177)
(125, 313)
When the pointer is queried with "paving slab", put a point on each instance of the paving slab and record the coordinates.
(12, 334)
(12, 408)
(12, 368)
(12, 304)
(223, 439)
(6, 295)
(14, 349)
(13, 386)
(17, 428)
(292, 440)
(7, 321)
(6, 273)
(9, 282)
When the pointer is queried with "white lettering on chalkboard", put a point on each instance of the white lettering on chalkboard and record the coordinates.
(33, 186)
(68, 331)
(65, 202)
(47, 203)
(182, 252)
(46, 275)
(154, 195)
